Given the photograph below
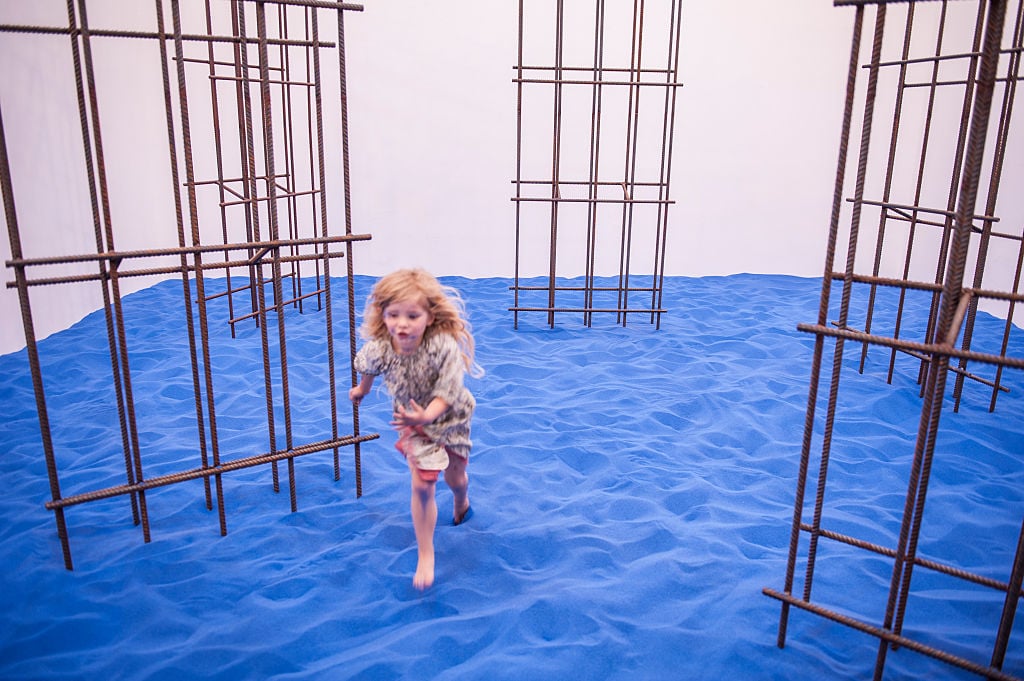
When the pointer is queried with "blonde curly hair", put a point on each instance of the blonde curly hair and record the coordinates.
(443, 302)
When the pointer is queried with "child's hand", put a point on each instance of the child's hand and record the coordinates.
(414, 415)
(356, 394)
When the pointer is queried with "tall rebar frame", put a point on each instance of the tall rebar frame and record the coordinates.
(594, 202)
(269, 219)
(963, 238)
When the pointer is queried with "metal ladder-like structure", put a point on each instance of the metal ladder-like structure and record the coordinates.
(594, 129)
(257, 139)
(932, 243)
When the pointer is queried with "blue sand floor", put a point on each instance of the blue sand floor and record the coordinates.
(633, 492)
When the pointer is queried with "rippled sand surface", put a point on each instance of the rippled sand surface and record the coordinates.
(632, 491)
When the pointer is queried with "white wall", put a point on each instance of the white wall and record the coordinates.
(755, 150)
(432, 122)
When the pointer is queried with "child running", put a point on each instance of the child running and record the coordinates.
(419, 340)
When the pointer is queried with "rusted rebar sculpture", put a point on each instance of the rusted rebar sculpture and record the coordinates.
(593, 202)
(269, 218)
(985, 94)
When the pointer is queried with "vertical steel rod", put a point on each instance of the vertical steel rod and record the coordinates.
(819, 340)
(952, 291)
(193, 211)
(519, 171)
(844, 306)
(926, 138)
(105, 234)
(270, 161)
(887, 187)
(556, 155)
(995, 176)
(954, 184)
(218, 147)
(31, 346)
(664, 179)
(261, 307)
(629, 156)
(343, 75)
(179, 220)
(594, 166)
(1013, 593)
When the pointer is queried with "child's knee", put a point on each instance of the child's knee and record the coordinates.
(456, 476)
(422, 480)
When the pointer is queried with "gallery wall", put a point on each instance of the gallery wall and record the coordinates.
(754, 157)
(432, 116)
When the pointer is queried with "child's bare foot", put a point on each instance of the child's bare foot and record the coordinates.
(462, 513)
(424, 577)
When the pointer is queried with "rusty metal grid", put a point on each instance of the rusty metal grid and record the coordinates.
(938, 237)
(258, 70)
(592, 181)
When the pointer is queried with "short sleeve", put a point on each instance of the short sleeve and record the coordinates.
(450, 369)
(370, 358)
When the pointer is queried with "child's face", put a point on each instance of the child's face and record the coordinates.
(406, 321)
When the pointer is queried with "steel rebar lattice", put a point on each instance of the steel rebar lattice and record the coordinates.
(267, 220)
(592, 185)
(935, 247)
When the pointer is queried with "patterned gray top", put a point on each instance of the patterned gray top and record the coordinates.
(436, 369)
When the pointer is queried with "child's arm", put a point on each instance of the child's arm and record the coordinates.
(357, 393)
(415, 415)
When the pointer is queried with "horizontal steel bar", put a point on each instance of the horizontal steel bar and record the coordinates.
(220, 62)
(183, 250)
(222, 265)
(958, 370)
(563, 81)
(592, 69)
(561, 199)
(228, 180)
(902, 216)
(318, 4)
(155, 35)
(887, 635)
(584, 288)
(273, 308)
(944, 57)
(279, 197)
(195, 473)
(927, 59)
(925, 358)
(603, 183)
(923, 562)
(841, 3)
(920, 209)
(257, 79)
(928, 286)
(588, 309)
(939, 349)
(946, 83)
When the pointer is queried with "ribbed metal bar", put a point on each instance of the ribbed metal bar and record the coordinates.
(966, 233)
(605, 243)
(272, 243)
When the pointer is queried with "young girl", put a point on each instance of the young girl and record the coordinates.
(419, 340)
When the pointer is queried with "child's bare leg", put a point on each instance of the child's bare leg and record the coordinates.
(424, 519)
(458, 481)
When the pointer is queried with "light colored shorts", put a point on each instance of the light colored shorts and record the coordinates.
(427, 457)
